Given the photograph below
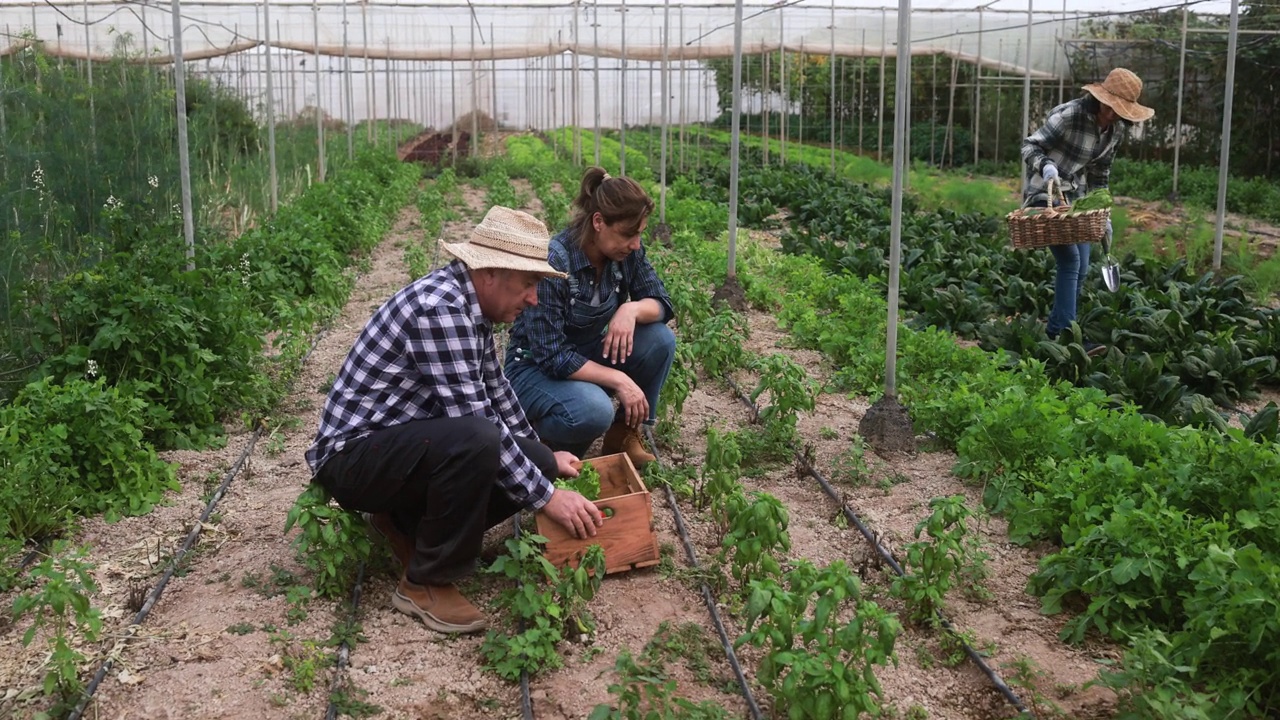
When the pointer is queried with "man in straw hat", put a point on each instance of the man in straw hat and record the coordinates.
(1076, 147)
(422, 431)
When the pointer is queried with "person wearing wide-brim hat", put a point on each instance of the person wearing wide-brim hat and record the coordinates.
(422, 432)
(1075, 148)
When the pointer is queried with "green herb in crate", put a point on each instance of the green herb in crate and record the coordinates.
(587, 483)
(1099, 199)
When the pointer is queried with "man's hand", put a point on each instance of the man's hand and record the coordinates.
(567, 464)
(574, 513)
(1049, 172)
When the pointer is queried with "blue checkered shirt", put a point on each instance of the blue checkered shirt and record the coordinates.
(543, 333)
(429, 352)
(1071, 140)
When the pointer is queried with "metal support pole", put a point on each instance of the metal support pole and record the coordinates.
(684, 93)
(666, 93)
(1224, 160)
(622, 131)
(493, 76)
(315, 29)
(595, 76)
(1182, 79)
(880, 115)
(831, 96)
(786, 99)
(184, 155)
(271, 110)
(977, 90)
(346, 77)
(475, 93)
(764, 104)
(948, 147)
(88, 54)
(576, 99)
(735, 142)
(901, 126)
(862, 78)
(453, 101)
(1026, 88)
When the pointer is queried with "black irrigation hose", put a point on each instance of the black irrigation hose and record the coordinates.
(526, 700)
(344, 651)
(707, 597)
(192, 536)
(887, 556)
(174, 562)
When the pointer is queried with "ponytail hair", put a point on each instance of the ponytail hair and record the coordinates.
(617, 199)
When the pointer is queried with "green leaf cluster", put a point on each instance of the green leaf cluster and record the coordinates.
(332, 542)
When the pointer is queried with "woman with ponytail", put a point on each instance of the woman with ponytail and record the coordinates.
(599, 333)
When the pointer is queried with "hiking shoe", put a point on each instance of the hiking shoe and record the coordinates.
(622, 438)
(401, 544)
(440, 607)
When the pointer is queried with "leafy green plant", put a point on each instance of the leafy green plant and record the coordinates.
(57, 601)
(644, 691)
(718, 479)
(331, 541)
(545, 601)
(933, 566)
(821, 641)
(757, 541)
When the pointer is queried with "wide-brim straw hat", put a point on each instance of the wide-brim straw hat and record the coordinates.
(508, 239)
(1120, 92)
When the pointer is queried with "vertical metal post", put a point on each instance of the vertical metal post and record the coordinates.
(475, 92)
(493, 75)
(977, 89)
(271, 109)
(948, 147)
(88, 55)
(666, 92)
(1224, 159)
(390, 94)
(786, 99)
(735, 142)
(576, 100)
(595, 76)
(453, 100)
(765, 93)
(622, 131)
(370, 80)
(862, 77)
(831, 97)
(184, 155)
(804, 66)
(315, 30)
(684, 93)
(346, 76)
(880, 115)
(1182, 79)
(1026, 88)
(901, 127)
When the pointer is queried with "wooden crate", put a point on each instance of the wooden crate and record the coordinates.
(627, 538)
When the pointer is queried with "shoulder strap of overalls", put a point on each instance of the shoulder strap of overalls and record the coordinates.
(560, 254)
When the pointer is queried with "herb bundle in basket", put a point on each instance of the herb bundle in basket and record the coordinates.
(1061, 223)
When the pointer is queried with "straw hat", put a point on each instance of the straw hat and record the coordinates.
(1120, 92)
(508, 239)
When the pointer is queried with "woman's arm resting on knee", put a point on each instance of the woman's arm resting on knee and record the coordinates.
(634, 403)
(619, 341)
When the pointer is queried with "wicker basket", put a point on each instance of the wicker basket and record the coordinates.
(1044, 226)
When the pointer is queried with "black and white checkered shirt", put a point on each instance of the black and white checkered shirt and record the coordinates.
(1072, 141)
(429, 352)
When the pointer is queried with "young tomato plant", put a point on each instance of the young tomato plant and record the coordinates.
(332, 542)
(757, 540)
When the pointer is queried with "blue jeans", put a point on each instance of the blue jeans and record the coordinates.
(1073, 265)
(571, 414)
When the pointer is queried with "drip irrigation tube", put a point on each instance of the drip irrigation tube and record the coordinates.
(707, 597)
(526, 700)
(887, 556)
(344, 651)
(154, 596)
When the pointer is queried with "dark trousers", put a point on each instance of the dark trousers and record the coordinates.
(437, 480)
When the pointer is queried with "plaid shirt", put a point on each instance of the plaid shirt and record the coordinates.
(429, 352)
(545, 333)
(1072, 141)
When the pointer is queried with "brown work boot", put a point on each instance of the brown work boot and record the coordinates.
(401, 544)
(622, 438)
(440, 607)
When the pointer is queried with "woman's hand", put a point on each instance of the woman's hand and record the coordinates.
(635, 405)
(567, 464)
(619, 339)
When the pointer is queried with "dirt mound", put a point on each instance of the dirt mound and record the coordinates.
(483, 122)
